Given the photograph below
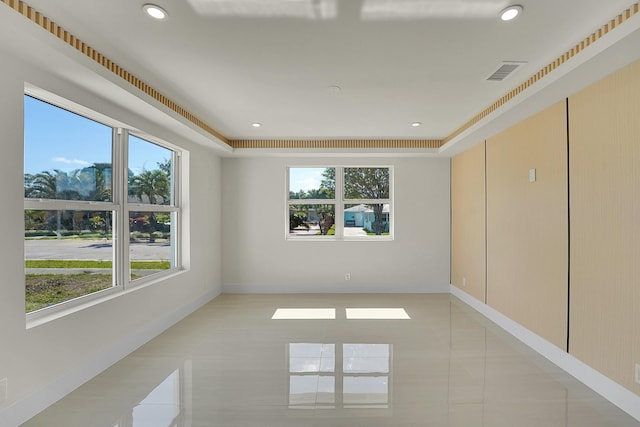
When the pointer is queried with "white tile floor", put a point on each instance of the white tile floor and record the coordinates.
(230, 364)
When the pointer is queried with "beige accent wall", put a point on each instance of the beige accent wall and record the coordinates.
(527, 224)
(605, 225)
(468, 261)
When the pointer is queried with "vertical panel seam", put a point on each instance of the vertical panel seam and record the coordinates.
(568, 228)
(486, 239)
(451, 221)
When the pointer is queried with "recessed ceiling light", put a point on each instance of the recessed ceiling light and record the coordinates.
(416, 124)
(154, 11)
(511, 12)
(256, 124)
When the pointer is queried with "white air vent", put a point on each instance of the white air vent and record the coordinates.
(505, 70)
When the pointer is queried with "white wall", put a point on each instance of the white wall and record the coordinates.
(44, 362)
(257, 257)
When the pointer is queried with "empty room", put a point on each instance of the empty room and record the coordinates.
(320, 213)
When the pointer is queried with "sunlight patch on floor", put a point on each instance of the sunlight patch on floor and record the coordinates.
(377, 313)
(304, 314)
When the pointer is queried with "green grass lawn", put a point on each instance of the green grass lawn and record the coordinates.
(43, 290)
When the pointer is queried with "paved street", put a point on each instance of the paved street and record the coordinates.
(92, 249)
(314, 230)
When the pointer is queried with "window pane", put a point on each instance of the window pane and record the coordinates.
(303, 390)
(311, 357)
(326, 391)
(150, 242)
(312, 183)
(66, 156)
(366, 183)
(365, 358)
(365, 392)
(312, 220)
(150, 173)
(68, 254)
(366, 220)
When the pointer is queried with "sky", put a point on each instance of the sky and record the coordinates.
(305, 178)
(58, 139)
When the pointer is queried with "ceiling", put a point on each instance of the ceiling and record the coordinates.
(232, 63)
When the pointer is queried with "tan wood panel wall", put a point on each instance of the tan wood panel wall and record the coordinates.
(468, 260)
(527, 224)
(605, 225)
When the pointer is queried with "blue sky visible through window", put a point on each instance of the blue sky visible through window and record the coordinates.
(144, 155)
(58, 139)
(305, 178)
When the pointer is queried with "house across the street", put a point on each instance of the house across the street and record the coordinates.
(363, 216)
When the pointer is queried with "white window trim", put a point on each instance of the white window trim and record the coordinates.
(120, 208)
(339, 202)
(174, 208)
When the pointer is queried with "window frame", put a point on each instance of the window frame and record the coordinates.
(173, 208)
(119, 206)
(340, 201)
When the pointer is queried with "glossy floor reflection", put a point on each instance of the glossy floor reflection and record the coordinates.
(231, 364)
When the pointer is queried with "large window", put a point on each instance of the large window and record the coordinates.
(339, 203)
(101, 208)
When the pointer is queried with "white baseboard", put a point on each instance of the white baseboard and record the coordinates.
(22, 410)
(333, 288)
(607, 388)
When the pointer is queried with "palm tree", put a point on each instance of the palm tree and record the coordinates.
(101, 178)
(43, 185)
(154, 185)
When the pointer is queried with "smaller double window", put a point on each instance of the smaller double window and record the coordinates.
(340, 202)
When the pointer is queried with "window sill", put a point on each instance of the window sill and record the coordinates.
(49, 314)
(340, 239)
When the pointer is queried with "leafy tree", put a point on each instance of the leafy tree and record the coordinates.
(321, 193)
(328, 183)
(326, 220)
(327, 190)
(35, 220)
(165, 166)
(96, 222)
(298, 194)
(297, 219)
